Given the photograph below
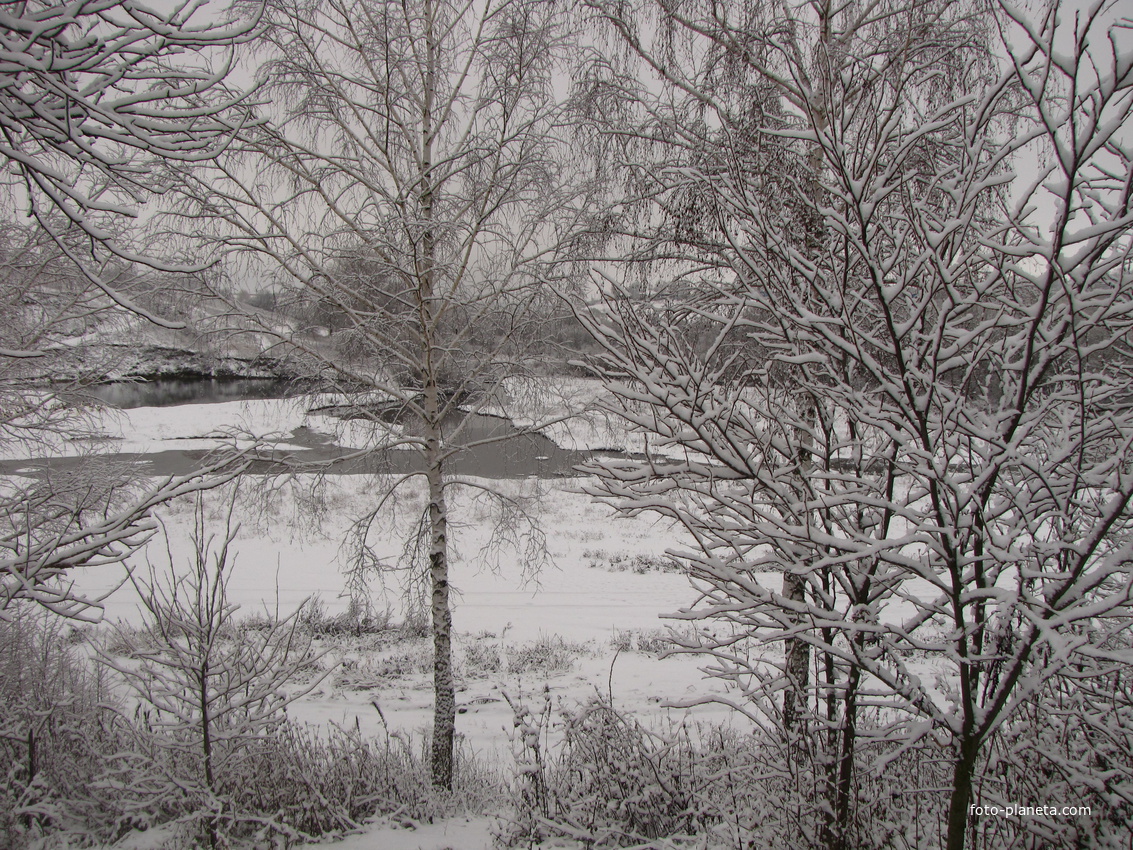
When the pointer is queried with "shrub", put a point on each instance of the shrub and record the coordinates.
(609, 783)
(621, 562)
(646, 641)
(57, 727)
(208, 692)
(369, 671)
(486, 656)
(307, 782)
(547, 655)
(606, 780)
(73, 761)
(622, 641)
(482, 657)
(357, 620)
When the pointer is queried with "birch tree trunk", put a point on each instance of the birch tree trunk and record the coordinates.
(444, 691)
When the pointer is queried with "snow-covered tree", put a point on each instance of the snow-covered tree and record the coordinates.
(208, 691)
(407, 192)
(891, 365)
(91, 93)
(95, 518)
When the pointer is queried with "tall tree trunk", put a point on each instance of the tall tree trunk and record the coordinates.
(798, 660)
(843, 790)
(797, 649)
(794, 586)
(962, 774)
(444, 691)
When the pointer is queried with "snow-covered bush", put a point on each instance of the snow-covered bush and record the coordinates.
(208, 694)
(601, 777)
(211, 746)
(547, 655)
(54, 728)
(357, 620)
(366, 671)
(609, 782)
(640, 563)
(528, 791)
(74, 761)
(483, 656)
(622, 640)
(658, 642)
(616, 781)
(1071, 745)
(308, 782)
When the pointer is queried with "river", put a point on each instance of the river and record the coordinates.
(487, 446)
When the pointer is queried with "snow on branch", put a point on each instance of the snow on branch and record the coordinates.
(48, 532)
(91, 93)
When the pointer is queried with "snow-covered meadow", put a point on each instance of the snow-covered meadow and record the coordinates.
(585, 619)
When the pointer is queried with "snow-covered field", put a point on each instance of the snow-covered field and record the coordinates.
(593, 601)
(586, 599)
(287, 554)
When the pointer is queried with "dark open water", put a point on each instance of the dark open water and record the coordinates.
(496, 448)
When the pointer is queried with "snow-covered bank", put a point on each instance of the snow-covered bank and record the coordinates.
(103, 360)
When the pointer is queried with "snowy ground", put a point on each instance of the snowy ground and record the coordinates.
(587, 593)
(586, 599)
(596, 600)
